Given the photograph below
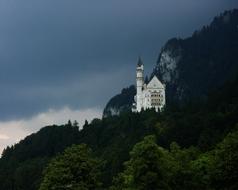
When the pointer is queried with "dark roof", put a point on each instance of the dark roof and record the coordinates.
(140, 62)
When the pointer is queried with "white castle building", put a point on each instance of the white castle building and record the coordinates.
(150, 95)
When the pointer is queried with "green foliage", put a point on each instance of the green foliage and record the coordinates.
(74, 169)
(225, 175)
(218, 168)
(152, 167)
(185, 154)
(29, 170)
(193, 162)
(148, 167)
(112, 138)
(27, 159)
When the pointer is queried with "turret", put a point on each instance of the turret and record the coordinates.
(139, 77)
(139, 83)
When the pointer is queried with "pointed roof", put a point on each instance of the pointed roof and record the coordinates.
(155, 83)
(140, 62)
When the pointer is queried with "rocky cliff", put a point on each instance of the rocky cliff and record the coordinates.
(193, 67)
(121, 102)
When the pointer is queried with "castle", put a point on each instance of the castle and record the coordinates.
(150, 95)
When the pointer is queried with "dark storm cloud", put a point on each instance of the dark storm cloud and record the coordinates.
(81, 52)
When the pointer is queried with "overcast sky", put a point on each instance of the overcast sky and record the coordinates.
(64, 59)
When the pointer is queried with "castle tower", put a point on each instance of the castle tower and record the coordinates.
(150, 95)
(139, 84)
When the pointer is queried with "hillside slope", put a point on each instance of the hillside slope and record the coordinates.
(121, 102)
(193, 67)
(112, 138)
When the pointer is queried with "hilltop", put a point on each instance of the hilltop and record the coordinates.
(112, 138)
(193, 67)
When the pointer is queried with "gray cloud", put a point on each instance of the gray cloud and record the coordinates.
(79, 53)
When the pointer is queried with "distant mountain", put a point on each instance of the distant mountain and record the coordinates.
(193, 67)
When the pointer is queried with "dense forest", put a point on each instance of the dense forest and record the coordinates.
(191, 67)
(190, 147)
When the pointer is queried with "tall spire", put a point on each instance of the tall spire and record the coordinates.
(140, 62)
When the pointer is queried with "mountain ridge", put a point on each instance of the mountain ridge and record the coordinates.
(194, 66)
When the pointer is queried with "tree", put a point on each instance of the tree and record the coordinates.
(85, 124)
(181, 175)
(201, 172)
(75, 124)
(149, 167)
(225, 173)
(69, 123)
(75, 169)
(217, 169)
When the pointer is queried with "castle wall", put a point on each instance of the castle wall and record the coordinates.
(148, 96)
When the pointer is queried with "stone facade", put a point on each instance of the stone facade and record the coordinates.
(150, 95)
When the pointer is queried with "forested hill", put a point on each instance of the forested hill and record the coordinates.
(201, 126)
(194, 66)
(121, 102)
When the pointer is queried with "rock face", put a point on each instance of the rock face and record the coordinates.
(193, 67)
(168, 61)
(121, 102)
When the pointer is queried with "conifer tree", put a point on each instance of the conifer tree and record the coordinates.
(148, 167)
(73, 170)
